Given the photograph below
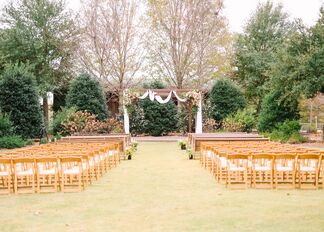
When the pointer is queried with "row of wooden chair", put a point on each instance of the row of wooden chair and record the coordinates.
(56, 167)
(263, 165)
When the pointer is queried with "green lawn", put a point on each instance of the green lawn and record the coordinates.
(161, 190)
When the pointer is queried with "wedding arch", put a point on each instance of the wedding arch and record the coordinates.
(193, 97)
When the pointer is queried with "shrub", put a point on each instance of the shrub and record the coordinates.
(86, 95)
(19, 98)
(137, 121)
(161, 118)
(273, 112)
(60, 117)
(225, 98)
(12, 141)
(86, 123)
(287, 132)
(210, 125)
(183, 119)
(243, 120)
(5, 125)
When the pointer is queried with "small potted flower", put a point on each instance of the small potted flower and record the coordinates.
(182, 145)
(190, 154)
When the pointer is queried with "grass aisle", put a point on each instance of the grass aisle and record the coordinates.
(161, 190)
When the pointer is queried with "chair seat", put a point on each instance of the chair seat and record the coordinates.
(4, 173)
(284, 169)
(25, 173)
(47, 171)
(73, 170)
(307, 169)
(237, 168)
(262, 168)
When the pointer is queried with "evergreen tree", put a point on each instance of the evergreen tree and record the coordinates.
(86, 94)
(225, 98)
(18, 98)
(273, 112)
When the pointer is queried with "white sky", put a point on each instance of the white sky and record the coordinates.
(238, 11)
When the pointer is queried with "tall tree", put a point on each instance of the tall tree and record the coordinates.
(299, 65)
(255, 49)
(42, 34)
(111, 49)
(185, 37)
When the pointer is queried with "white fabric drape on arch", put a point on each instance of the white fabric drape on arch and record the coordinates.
(153, 96)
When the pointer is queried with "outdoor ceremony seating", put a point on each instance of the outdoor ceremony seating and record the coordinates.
(53, 167)
(263, 164)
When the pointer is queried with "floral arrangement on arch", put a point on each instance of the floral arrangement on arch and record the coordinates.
(193, 97)
(130, 97)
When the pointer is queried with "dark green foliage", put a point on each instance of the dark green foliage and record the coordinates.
(137, 120)
(183, 119)
(60, 97)
(246, 118)
(18, 97)
(42, 34)
(299, 65)
(287, 132)
(86, 94)
(225, 99)
(60, 117)
(256, 48)
(161, 118)
(273, 112)
(12, 141)
(5, 125)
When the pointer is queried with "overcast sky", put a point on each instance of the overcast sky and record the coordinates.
(238, 11)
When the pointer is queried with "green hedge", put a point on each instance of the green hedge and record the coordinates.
(11, 142)
(19, 98)
(86, 94)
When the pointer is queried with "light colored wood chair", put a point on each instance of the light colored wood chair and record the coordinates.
(47, 174)
(71, 174)
(284, 171)
(262, 171)
(237, 171)
(5, 176)
(24, 175)
(308, 170)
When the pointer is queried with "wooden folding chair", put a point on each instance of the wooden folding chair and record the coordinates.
(262, 171)
(237, 171)
(47, 174)
(285, 171)
(71, 174)
(308, 170)
(24, 175)
(5, 176)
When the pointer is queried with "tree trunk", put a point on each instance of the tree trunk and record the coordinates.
(45, 112)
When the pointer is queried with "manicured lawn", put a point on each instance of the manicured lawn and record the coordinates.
(161, 190)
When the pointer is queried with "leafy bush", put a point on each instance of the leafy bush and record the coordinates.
(243, 120)
(87, 95)
(19, 98)
(273, 112)
(5, 125)
(287, 132)
(210, 125)
(86, 123)
(161, 118)
(60, 117)
(183, 119)
(137, 120)
(225, 98)
(12, 141)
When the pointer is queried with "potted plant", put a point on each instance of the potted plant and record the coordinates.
(129, 152)
(182, 145)
(190, 154)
